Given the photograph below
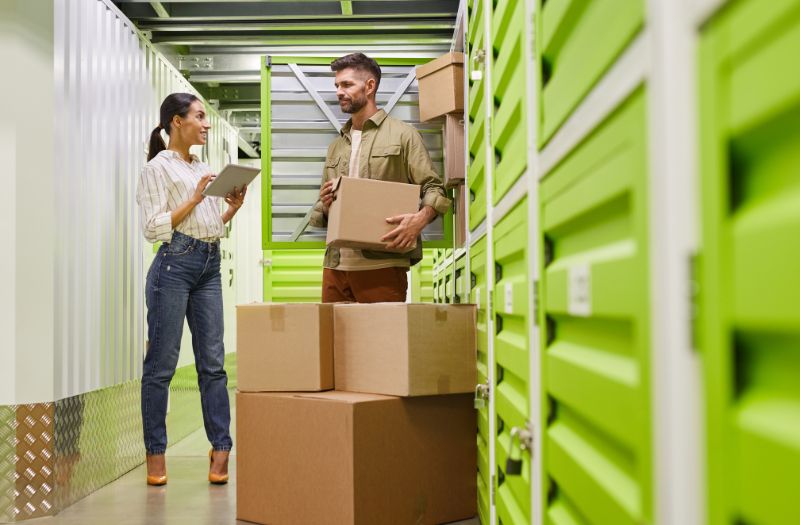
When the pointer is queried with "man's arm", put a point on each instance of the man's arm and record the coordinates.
(434, 200)
(319, 217)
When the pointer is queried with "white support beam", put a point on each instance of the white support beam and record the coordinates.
(317, 98)
(159, 8)
(401, 89)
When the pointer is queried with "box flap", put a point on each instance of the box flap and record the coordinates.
(439, 63)
(336, 184)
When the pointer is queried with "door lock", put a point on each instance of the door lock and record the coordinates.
(481, 395)
(523, 438)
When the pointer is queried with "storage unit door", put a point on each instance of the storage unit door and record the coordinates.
(476, 115)
(421, 278)
(479, 296)
(595, 358)
(750, 276)
(511, 354)
(509, 94)
(293, 276)
(578, 42)
(460, 282)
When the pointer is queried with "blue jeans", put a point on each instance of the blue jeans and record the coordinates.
(184, 282)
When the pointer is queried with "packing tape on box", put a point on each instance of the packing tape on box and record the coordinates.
(277, 315)
(441, 315)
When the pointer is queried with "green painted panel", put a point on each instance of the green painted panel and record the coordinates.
(476, 115)
(460, 282)
(749, 322)
(511, 357)
(294, 276)
(509, 94)
(596, 352)
(479, 296)
(578, 43)
(422, 278)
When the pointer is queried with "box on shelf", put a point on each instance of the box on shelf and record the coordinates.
(441, 86)
(455, 162)
(284, 347)
(405, 349)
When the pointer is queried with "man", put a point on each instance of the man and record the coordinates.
(375, 146)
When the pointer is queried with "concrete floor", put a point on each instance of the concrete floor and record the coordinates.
(188, 498)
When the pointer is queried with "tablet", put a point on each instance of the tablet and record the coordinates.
(231, 176)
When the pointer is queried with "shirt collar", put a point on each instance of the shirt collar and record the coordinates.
(376, 119)
(175, 155)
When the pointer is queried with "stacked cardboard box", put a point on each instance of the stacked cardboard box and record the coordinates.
(394, 443)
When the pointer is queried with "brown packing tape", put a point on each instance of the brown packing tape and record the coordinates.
(278, 318)
(441, 314)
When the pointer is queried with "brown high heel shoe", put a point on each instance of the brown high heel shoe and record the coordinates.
(216, 479)
(156, 481)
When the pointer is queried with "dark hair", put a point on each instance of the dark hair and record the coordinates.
(174, 104)
(361, 62)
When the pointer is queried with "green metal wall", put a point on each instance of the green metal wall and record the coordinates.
(749, 279)
(596, 352)
(511, 359)
(479, 295)
(578, 42)
(476, 113)
(293, 276)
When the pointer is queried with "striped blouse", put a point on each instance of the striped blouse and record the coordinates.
(166, 182)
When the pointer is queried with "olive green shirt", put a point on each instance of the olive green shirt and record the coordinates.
(393, 151)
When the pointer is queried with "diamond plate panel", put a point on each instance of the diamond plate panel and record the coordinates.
(8, 454)
(34, 461)
(98, 439)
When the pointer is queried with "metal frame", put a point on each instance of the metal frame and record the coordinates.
(266, 142)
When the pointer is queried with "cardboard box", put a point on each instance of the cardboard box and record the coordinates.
(455, 163)
(405, 349)
(284, 347)
(343, 458)
(441, 86)
(357, 218)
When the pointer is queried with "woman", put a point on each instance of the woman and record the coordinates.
(184, 281)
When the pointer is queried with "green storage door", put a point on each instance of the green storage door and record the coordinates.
(476, 113)
(293, 276)
(509, 94)
(578, 42)
(479, 296)
(595, 359)
(750, 274)
(461, 288)
(511, 353)
(421, 278)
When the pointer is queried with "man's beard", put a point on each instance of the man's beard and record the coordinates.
(355, 105)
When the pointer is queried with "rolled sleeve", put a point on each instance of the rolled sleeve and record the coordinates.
(318, 218)
(156, 218)
(421, 172)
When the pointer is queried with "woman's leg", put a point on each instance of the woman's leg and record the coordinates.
(166, 293)
(204, 313)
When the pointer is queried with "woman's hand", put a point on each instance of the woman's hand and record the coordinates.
(205, 180)
(235, 199)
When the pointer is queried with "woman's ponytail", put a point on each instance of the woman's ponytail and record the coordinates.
(174, 104)
(156, 143)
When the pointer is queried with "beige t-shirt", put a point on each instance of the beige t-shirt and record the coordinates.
(351, 259)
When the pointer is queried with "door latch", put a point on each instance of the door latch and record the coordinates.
(521, 440)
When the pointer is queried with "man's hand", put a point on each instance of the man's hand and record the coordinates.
(409, 226)
(327, 196)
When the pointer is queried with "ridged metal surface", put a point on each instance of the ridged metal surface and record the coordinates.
(108, 84)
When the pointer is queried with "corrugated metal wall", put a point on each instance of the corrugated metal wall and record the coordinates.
(301, 134)
(108, 87)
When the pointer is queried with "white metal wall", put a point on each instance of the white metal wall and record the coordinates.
(108, 86)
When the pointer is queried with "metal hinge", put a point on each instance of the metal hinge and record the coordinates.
(535, 292)
(493, 491)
